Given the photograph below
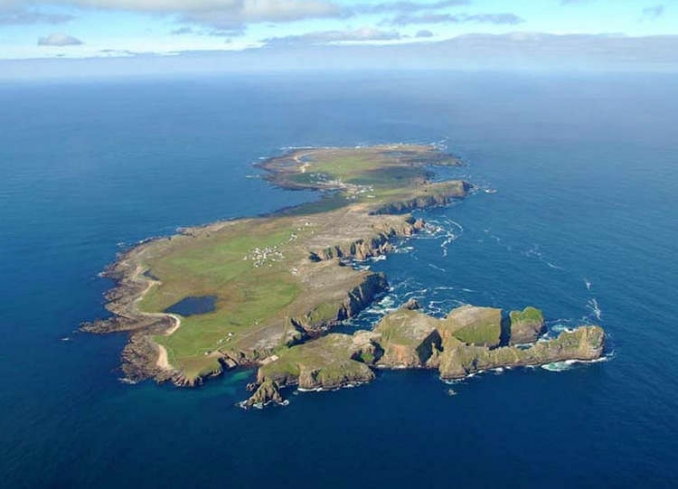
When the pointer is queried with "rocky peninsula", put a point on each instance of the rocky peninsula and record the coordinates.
(267, 291)
(467, 341)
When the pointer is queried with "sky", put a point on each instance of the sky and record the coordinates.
(252, 34)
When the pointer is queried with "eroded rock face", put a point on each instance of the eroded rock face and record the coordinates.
(526, 325)
(444, 194)
(408, 338)
(328, 314)
(334, 375)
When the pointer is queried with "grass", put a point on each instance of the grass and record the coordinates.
(247, 295)
(475, 325)
(480, 334)
(378, 167)
(528, 315)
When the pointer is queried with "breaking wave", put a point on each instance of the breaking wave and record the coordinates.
(570, 364)
(593, 306)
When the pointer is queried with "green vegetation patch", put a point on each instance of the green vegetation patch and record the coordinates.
(480, 334)
(479, 326)
(529, 314)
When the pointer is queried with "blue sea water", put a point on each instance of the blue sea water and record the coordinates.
(583, 224)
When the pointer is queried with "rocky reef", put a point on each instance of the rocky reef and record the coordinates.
(468, 340)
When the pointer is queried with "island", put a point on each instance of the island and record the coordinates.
(267, 291)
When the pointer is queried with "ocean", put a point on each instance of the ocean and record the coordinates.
(580, 220)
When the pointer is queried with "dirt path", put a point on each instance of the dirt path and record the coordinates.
(163, 358)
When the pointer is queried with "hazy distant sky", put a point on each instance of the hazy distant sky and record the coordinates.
(154, 28)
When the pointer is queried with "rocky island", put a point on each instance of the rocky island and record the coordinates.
(267, 291)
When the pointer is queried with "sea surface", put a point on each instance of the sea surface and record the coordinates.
(581, 220)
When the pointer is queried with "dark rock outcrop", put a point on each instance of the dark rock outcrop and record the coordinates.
(266, 393)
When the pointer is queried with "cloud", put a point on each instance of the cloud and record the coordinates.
(233, 11)
(406, 6)
(652, 13)
(182, 31)
(514, 51)
(228, 16)
(500, 18)
(334, 37)
(57, 39)
(29, 16)
(424, 33)
(509, 52)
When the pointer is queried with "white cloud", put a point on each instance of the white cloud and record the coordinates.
(234, 10)
(433, 18)
(335, 37)
(58, 39)
(403, 6)
(17, 16)
(564, 53)
(228, 16)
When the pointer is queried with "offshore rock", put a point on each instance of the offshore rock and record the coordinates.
(267, 392)
(412, 305)
(526, 325)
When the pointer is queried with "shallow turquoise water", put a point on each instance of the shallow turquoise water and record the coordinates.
(582, 224)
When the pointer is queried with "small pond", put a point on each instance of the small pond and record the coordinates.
(191, 306)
